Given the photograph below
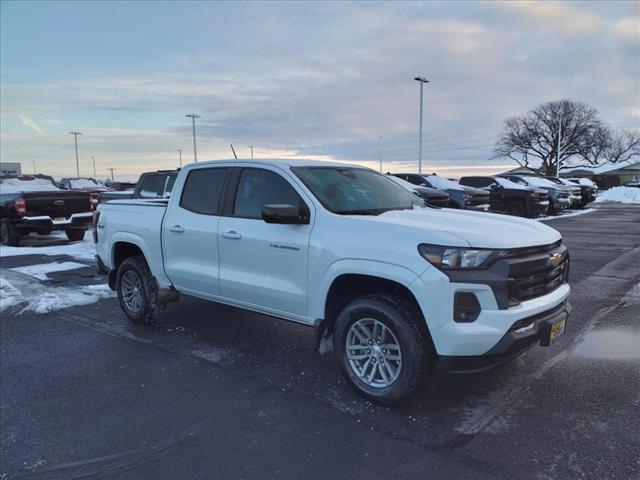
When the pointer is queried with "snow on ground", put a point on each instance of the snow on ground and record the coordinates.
(566, 213)
(620, 195)
(26, 295)
(40, 271)
(54, 244)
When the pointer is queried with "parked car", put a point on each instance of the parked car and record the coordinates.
(431, 196)
(29, 204)
(397, 287)
(509, 197)
(575, 192)
(588, 189)
(459, 196)
(85, 184)
(559, 195)
(156, 184)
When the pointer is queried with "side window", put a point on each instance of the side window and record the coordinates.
(481, 182)
(415, 179)
(258, 188)
(202, 191)
(152, 186)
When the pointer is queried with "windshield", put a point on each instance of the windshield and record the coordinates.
(355, 191)
(442, 183)
(539, 182)
(503, 182)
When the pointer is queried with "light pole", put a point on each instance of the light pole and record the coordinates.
(193, 117)
(75, 137)
(422, 81)
(35, 168)
(94, 165)
(179, 150)
(111, 170)
(558, 149)
(251, 147)
(380, 153)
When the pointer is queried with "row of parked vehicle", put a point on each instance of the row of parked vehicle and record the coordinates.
(37, 203)
(523, 195)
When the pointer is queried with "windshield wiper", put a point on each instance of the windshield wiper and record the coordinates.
(370, 211)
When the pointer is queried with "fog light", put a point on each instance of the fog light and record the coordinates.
(466, 307)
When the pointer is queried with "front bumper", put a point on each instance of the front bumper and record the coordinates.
(521, 336)
(76, 220)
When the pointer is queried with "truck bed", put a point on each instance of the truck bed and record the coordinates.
(134, 221)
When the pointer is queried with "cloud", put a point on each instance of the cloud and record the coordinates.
(30, 123)
(557, 17)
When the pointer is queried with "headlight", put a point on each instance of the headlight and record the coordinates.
(446, 258)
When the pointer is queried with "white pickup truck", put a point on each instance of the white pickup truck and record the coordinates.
(397, 285)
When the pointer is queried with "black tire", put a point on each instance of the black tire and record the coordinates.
(404, 320)
(516, 208)
(150, 307)
(75, 234)
(9, 235)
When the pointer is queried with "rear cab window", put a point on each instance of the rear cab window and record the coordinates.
(202, 191)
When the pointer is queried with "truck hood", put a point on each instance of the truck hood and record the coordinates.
(474, 229)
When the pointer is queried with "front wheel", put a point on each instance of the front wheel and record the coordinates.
(9, 235)
(138, 291)
(381, 350)
(75, 234)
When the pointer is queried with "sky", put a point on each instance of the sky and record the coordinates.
(317, 80)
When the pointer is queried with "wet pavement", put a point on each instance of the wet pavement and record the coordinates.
(215, 392)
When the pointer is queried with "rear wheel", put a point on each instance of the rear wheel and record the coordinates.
(138, 291)
(9, 235)
(515, 208)
(75, 234)
(381, 350)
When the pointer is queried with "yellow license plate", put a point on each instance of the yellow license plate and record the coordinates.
(59, 219)
(557, 329)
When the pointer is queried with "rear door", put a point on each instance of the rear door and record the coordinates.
(190, 232)
(263, 264)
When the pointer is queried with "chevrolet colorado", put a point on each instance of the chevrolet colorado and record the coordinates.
(460, 196)
(398, 286)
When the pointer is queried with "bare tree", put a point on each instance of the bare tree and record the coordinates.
(583, 137)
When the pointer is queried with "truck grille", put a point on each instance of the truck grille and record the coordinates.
(532, 273)
(479, 199)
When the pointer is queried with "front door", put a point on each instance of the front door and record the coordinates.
(263, 264)
(190, 232)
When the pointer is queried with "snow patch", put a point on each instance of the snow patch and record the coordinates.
(20, 291)
(40, 271)
(570, 213)
(82, 250)
(629, 195)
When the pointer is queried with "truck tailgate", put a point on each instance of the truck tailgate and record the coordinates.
(56, 204)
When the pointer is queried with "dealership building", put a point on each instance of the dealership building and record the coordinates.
(10, 168)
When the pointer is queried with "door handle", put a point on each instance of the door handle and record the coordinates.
(232, 234)
(177, 229)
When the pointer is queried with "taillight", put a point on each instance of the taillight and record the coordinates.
(20, 205)
(96, 217)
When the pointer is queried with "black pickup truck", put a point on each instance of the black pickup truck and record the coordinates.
(508, 197)
(29, 204)
(150, 185)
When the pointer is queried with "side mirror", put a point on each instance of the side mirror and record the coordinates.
(285, 214)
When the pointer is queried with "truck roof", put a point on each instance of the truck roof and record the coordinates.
(284, 161)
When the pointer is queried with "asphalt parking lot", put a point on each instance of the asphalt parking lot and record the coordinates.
(214, 392)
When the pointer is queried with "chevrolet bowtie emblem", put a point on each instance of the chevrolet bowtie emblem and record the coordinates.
(555, 259)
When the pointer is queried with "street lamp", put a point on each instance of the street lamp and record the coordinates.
(193, 117)
(251, 147)
(422, 81)
(112, 177)
(179, 153)
(94, 165)
(75, 137)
